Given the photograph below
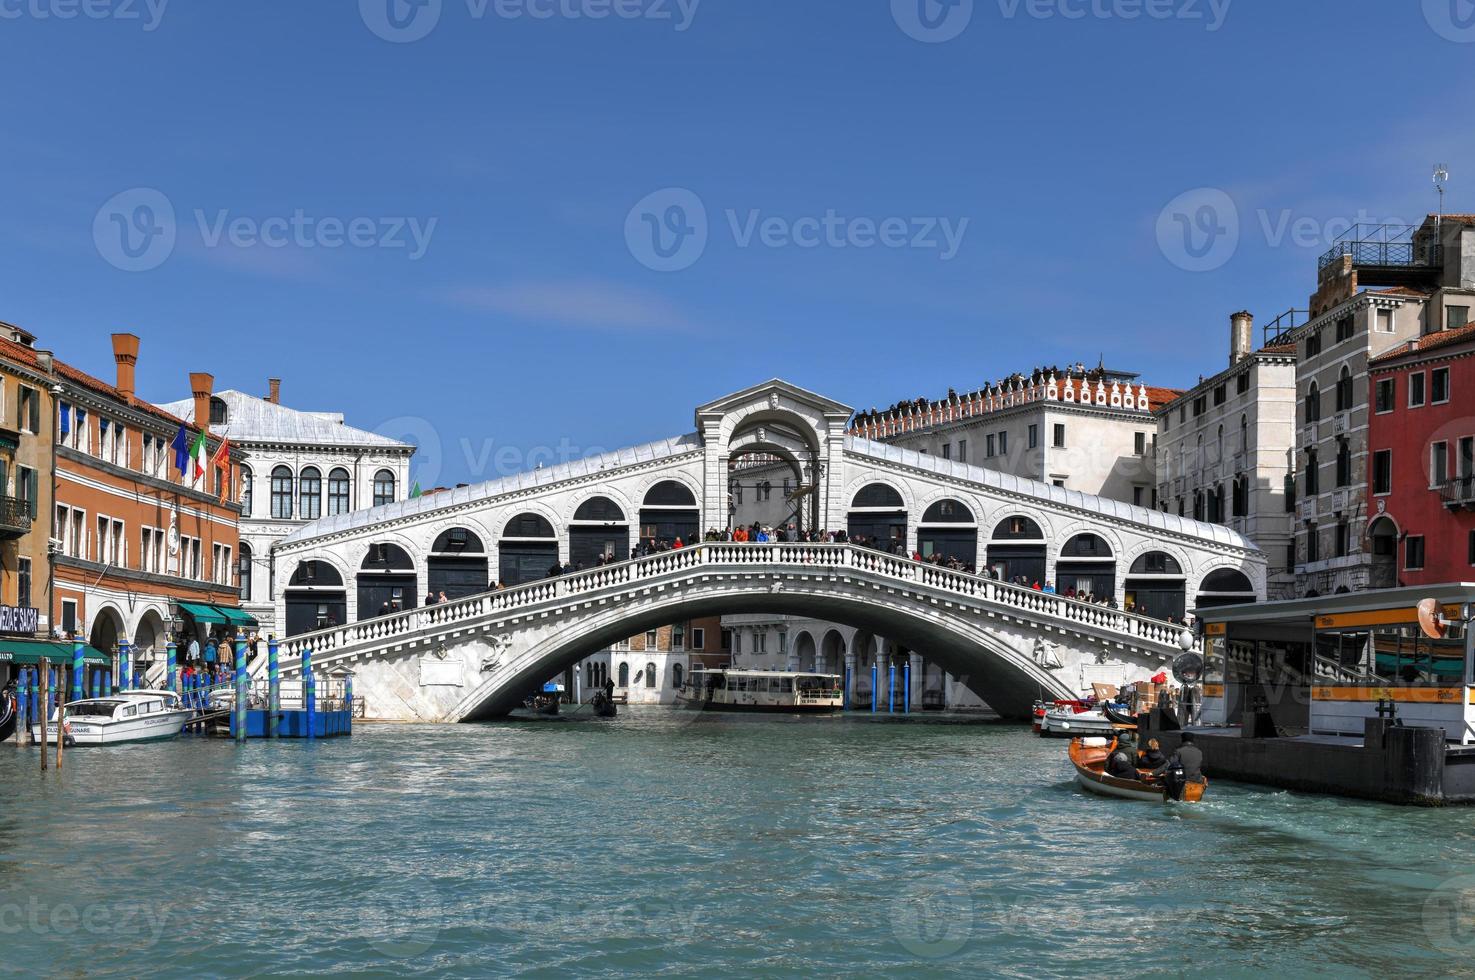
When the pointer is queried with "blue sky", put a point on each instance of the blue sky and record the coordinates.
(1048, 136)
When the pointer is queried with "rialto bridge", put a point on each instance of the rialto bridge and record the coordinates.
(348, 586)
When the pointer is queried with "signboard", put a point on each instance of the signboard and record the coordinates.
(19, 620)
(440, 673)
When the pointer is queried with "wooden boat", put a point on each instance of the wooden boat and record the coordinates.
(1118, 717)
(1089, 756)
(7, 715)
(604, 706)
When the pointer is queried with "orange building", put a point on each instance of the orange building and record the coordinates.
(138, 550)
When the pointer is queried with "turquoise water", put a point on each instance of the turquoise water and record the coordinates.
(721, 846)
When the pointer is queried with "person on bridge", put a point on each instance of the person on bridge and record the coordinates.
(1122, 763)
(1184, 766)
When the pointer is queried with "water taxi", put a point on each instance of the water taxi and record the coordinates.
(1089, 756)
(772, 691)
(128, 716)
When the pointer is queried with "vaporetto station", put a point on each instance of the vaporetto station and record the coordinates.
(479, 655)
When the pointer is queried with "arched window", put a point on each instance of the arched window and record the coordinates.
(624, 675)
(1219, 451)
(650, 675)
(1313, 474)
(247, 484)
(676, 676)
(948, 512)
(1244, 434)
(600, 509)
(457, 541)
(1227, 582)
(1344, 463)
(1344, 390)
(878, 495)
(1156, 563)
(245, 572)
(1086, 546)
(1018, 527)
(528, 526)
(383, 488)
(281, 493)
(313, 573)
(670, 493)
(1313, 404)
(310, 494)
(340, 492)
(218, 413)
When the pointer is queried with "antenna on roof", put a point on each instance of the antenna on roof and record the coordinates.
(1441, 177)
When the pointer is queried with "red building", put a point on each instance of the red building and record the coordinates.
(1421, 476)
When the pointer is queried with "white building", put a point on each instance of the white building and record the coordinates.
(300, 466)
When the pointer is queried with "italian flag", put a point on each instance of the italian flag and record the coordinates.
(198, 455)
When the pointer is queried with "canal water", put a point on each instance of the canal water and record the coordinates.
(658, 844)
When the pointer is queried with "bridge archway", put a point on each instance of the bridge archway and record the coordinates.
(1086, 566)
(878, 518)
(670, 511)
(1017, 550)
(831, 653)
(948, 529)
(599, 530)
(528, 550)
(386, 581)
(315, 598)
(1156, 587)
(1224, 587)
(805, 652)
(457, 564)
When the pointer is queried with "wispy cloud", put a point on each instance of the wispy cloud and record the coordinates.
(582, 303)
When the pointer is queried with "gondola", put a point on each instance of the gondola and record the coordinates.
(7, 715)
(1089, 756)
(1118, 717)
(604, 706)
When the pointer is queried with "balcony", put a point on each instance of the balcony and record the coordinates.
(1341, 422)
(1308, 434)
(1306, 510)
(15, 517)
(1387, 255)
(1341, 500)
(1459, 493)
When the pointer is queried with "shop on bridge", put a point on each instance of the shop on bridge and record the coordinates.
(950, 530)
(599, 530)
(386, 581)
(878, 517)
(1156, 587)
(1224, 587)
(315, 598)
(669, 512)
(1086, 567)
(457, 564)
(1017, 550)
(528, 550)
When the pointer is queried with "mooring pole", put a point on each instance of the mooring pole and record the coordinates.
(125, 667)
(240, 689)
(309, 691)
(22, 706)
(45, 669)
(273, 689)
(891, 688)
(874, 687)
(171, 665)
(906, 678)
(79, 666)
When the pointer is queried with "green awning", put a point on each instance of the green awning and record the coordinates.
(59, 652)
(237, 617)
(202, 613)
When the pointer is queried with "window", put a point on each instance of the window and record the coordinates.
(698, 638)
(151, 549)
(1385, 321)
(1242, 383)
(650, 639)
(1137, 495)
(1313, 478)
(962, 450)
(1344, 390)
(650, 675)
(988, 446)
(245, 490)
(1034, 437)
(383, 488)
(281, 493)
(69, 617)
(1240, 503)
(1313, 404)
(1345, 329)
(1198, 406)
(1313, 543)
(1469, 550)
(1344, 463)
(1413, 551)
(310, 494)
(947, 450)
(28, 412)
(1416, 390)
(1456, 317)
(1340, 544)
(1219, 395)
(1467, 457)
(1383, 471)
(1438, 464)
(1313, 343)
(23, 581)
(1139, 443)
(1059, 435)
(339, 495)
(1439, 386)
(26, 489)
(218, 413)
(1003, 443)
(1383, 394)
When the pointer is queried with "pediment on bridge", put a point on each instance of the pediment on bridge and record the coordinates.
(775, 395)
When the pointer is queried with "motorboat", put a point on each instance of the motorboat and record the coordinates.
(128, 716)
(1089, 756)
(766, 691)
(1070, 719)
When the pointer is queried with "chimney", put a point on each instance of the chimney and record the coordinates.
(1241, 336)
(125, 352)
(274, 390)
(202, 385)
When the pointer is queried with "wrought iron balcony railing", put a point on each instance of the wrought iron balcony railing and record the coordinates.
(1459, 492)
(1384, 245)
(15, 516)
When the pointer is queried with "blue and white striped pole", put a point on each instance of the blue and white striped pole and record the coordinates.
(79, 667)
(240, 689)
(874, 687)
(171, 663)
(22, 705)
(125, 665)
(309, 692)
(273, 688)
(906, 707)
(100, 682)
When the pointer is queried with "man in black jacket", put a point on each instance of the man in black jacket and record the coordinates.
(1184, 766)
(1122, 763)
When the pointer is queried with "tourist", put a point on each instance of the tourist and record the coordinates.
(1185, 766)
(442, 598)
(429, 599)
(1152, 756)
(1122, 761)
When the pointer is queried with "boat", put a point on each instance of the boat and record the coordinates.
(604, 706)
(1118, 716)
(766, 691)
(1089, 756)
(7, 715)
(128, 716)
(1069, 719)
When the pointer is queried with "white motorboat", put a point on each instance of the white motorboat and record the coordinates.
(1068, 722)
(128, 716)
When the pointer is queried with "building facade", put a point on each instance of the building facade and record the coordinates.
(301, 466)
(1225, 449)
(651, 667)
(27, 453)
(1421, 471)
